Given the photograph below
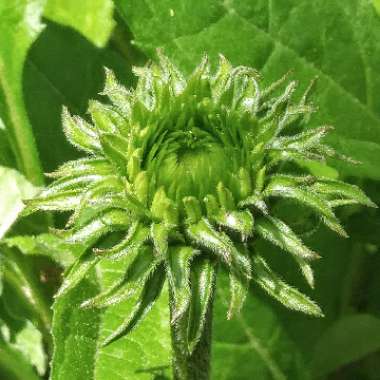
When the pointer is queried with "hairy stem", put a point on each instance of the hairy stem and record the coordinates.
(195, 365)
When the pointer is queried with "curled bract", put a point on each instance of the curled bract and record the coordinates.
(188, 169)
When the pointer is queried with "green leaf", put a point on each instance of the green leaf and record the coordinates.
(337, 348)
(65, 200)
(255, 201)
(141, 268)
(13, 366)
(77, 272)
(203, 234)
(94, 19)
(7, 157)
(48, 245)
(281, 291)
(88, 234)
(273, 39)
(29, 342)
(148, 297)
(23, 293)
(63, 68)
(137, 235)
(75, 328)
(240, 221)
(19, 27)
(193, 209)
(254, 343)
(377, 5)
(1, 274)
(14, 187)
(117, 93)
(82, 167)
(84, 330)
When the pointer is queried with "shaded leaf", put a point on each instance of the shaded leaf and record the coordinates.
(345, 341)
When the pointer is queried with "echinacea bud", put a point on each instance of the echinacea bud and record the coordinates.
(188, 172)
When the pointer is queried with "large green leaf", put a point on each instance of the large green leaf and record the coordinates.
(92, 18)
(253, 344)
(335, 40)
(75, 334)
(19, 27)
(78, 335)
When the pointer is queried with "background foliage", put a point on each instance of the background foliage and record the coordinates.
(52, 53)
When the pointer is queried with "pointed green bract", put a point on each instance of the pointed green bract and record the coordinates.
(207, 237)
(345, 191)
(77, 272)
(178, 272)
(284, 293)
(287, 188)
(81, 134)
(202, 289)
(185, 173)
(239, 290)
(137, 235)
(160, 236)
(136, 276)
(278, 233)
(114, 148)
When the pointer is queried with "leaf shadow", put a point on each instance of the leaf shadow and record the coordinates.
(158, 372)
(64, 68)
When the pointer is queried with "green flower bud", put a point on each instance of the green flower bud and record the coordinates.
(187, 170)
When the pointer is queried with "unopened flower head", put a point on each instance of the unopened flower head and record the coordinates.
(188, 170)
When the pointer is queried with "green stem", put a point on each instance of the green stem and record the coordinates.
(195, 365)
(23, 141)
